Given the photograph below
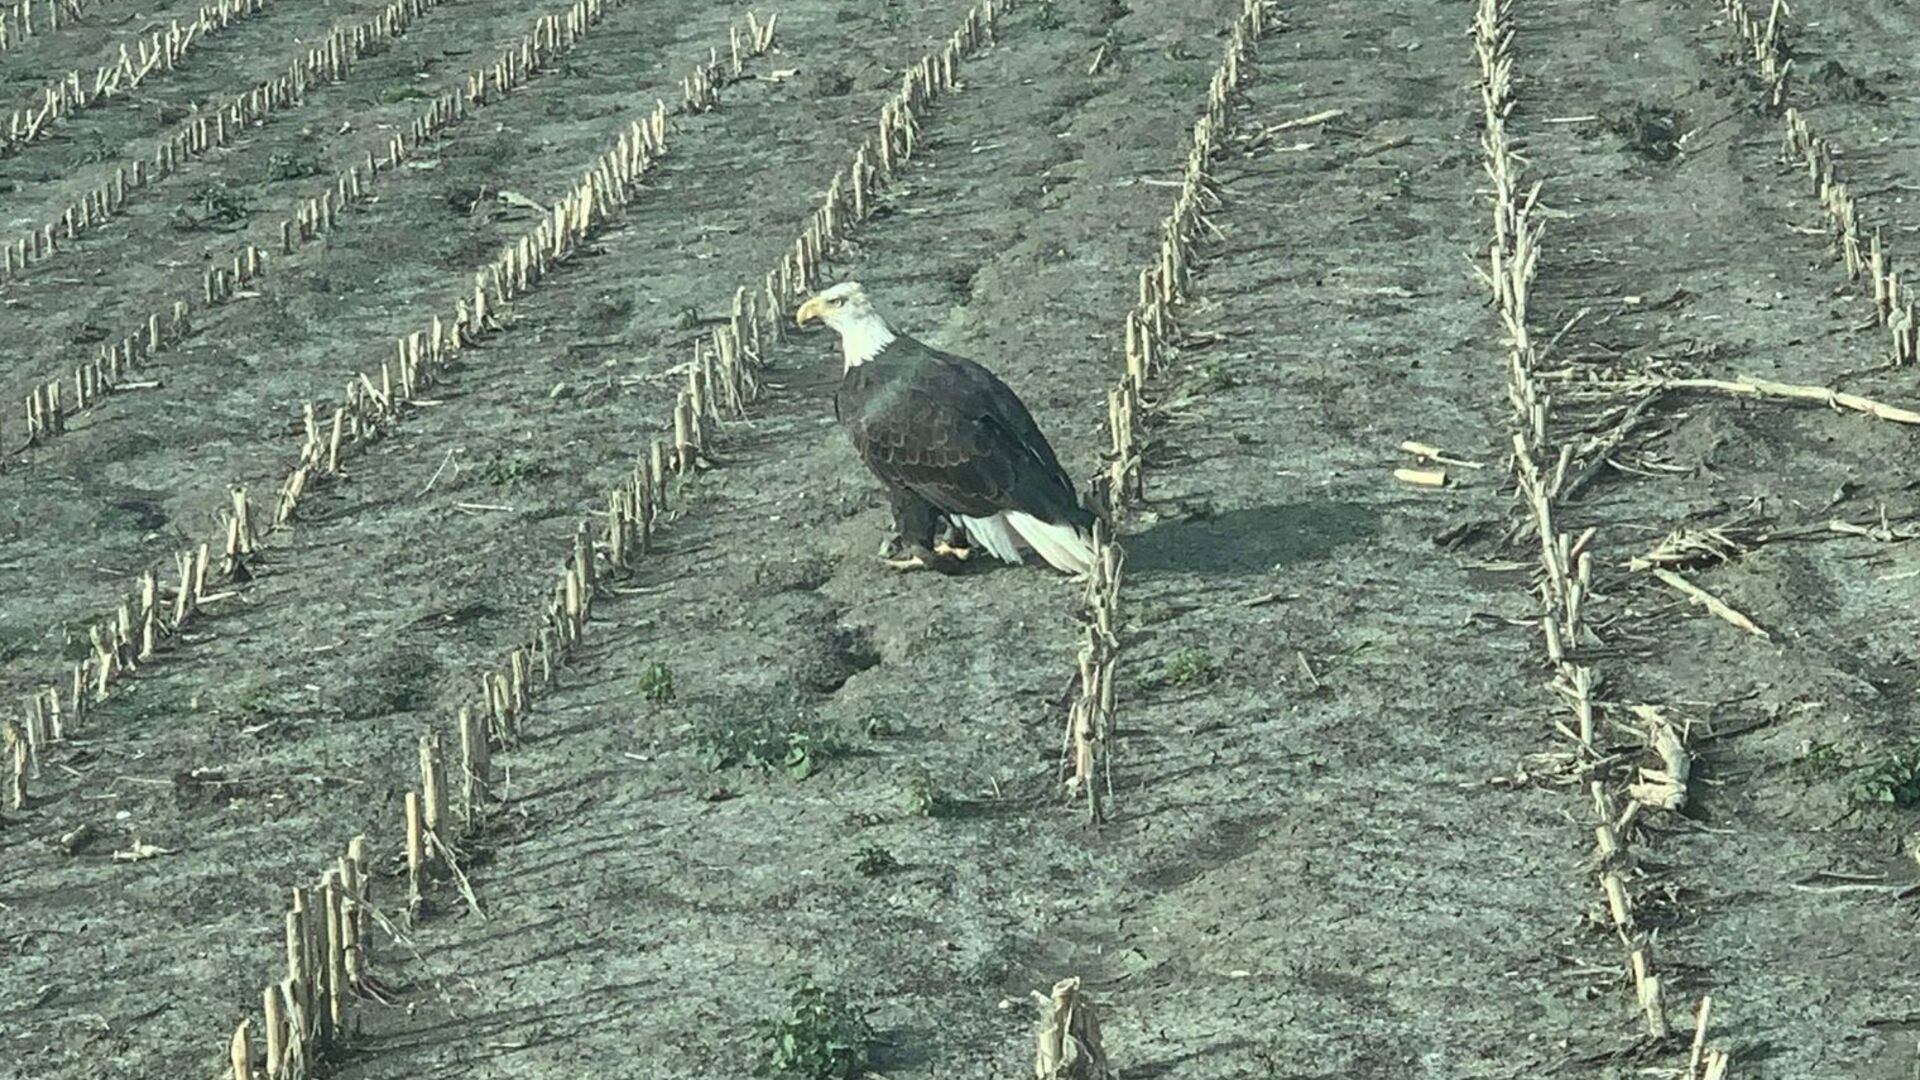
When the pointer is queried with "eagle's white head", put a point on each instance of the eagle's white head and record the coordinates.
(847, 311)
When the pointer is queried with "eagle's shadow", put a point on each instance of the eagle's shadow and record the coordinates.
(1250, 541)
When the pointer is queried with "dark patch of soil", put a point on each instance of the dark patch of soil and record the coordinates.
(1833, 82)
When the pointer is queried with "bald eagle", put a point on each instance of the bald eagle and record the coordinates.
(947, 437)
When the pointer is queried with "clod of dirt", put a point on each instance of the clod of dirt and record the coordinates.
(1835, 83)
(827, 654)
(456, 615)
(960, 279)
(609, 314)
(398, 681)
(1651, 131)
(830, 82)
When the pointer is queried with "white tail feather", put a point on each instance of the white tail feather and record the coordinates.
(993, 534)
(1063, 546)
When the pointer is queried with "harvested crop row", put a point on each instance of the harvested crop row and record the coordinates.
(1566, 585)
(721, 382)
(22, 20)
(1148, 335)
(1868, 263)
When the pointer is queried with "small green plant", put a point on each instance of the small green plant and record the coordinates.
(1047, 17)
(1183, 78)
(1211, 379)
(511, 470)
(656, 683)
(1894, 780)
(875, 860)
(293, 165)
(211, 206)
(1188, 667)
(394, 95)
(924, 797)
(797, 749)
(822, 1037)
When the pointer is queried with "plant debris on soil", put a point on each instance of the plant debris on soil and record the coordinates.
(1653, 132)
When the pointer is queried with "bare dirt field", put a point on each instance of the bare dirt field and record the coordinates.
(1397, 789)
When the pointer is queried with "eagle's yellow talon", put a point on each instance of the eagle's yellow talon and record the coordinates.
(941, 547)
(912, 562)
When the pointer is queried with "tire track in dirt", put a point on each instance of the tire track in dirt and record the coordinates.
(1679, 265)
(352, 659)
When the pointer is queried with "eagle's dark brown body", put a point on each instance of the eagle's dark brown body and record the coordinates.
(946, 436)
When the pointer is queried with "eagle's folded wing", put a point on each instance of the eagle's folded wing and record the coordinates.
(928, 443)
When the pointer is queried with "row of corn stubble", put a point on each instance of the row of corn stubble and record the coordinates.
(1864, 256)
(1150, 336)
(51, 403)
(1541, 470)
(1069, 1043)
(328, 61)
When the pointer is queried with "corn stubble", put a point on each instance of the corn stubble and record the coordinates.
(1565, 583)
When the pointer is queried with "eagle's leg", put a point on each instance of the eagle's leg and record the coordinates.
(952, 541)
(914, 521)
(922, 536)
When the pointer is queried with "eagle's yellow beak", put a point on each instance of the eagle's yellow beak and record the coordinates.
(814, 308)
